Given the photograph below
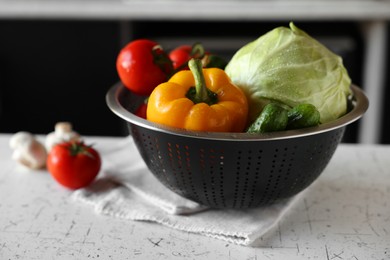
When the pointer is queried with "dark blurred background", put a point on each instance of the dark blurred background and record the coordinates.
(60, 70)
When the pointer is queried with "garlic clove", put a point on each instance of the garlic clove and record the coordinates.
(39, 154)
(50, 140)
(63, 132)
(63, 127)
(30, 153)
(20, 138)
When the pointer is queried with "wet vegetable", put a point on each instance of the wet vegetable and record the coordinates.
(277, 117)
(303, 115)
(288, 66)
(199, 99)
(273, 118)
(73, 164)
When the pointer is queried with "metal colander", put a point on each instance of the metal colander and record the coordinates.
(227, 170)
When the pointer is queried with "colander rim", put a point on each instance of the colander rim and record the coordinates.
(360, 105)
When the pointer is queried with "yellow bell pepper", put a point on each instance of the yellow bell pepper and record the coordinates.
(199, 99)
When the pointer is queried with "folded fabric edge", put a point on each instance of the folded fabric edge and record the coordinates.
(187, 206)
(103, 204)
(239, 238)
(242, 239)
(106, 208)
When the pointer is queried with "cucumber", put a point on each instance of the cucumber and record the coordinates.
(273, 117)
(303, 115)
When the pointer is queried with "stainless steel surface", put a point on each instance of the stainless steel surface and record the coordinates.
(120, 101)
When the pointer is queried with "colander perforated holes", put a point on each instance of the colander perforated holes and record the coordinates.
(226, 174)
(156, 161)
(170, 154)
(211, 177)
(270, 178)
(287, 164)
(237, 179)
(221, 180)
(189, 171)
(257, 166)
(159, 165)
(212, 161)
(245, 172)
(279, 171)
(290, 165)
(201, 159)
(179, 163)
(204, 171)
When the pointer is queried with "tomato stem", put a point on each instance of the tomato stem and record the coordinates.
(161, 59)
(79, 148)
(197, 52)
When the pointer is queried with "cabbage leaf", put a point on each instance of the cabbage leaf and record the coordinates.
(289, 66)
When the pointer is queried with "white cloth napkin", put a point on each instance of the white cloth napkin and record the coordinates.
(128, 190)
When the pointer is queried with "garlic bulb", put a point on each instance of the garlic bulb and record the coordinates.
(28, 150)
(63, 132)
(19, 138)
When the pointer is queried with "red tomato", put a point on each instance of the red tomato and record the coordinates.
(180, 56)
(142, 65)
(73, 164)
(141, 110)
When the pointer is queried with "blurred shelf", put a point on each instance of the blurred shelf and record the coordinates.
(196, 9)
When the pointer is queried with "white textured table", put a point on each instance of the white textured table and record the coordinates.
(345, 214)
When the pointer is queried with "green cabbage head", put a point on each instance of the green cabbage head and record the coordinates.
(289, 66)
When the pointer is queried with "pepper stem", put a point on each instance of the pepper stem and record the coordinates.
(201, 94)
